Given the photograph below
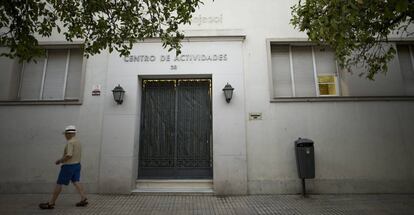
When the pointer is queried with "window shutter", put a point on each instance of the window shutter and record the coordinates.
(407, 68)
(73, 84)
(31, 80)
(325, 61)
(55, 75)
(303, 71)
(10, 70)
(282, 82)
(389, 84)
(326, 70)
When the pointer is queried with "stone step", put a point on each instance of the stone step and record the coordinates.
(174, 186)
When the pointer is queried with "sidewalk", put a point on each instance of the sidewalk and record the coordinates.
(209, 204)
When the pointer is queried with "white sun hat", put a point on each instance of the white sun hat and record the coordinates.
(70, 129)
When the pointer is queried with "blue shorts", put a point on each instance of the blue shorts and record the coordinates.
(69, 172)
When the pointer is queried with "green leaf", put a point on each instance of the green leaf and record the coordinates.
(402, 5)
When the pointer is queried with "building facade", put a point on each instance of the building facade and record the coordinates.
(174, 122)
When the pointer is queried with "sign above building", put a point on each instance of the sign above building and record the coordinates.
(173, 58)
(201, 57)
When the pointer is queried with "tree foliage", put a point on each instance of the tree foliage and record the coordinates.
(101, 24)
(358, 30)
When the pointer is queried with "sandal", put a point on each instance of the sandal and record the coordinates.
(82, 203)
(46, 205)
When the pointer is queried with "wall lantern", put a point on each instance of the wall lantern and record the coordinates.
(228, 92)
(118, 92)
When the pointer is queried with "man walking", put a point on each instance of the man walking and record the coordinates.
(70, 169)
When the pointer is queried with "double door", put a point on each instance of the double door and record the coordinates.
(175, 130)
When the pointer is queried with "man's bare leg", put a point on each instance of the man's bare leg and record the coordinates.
(56, 192)
(80, 190)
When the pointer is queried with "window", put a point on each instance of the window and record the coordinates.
(327, 85)
(304, 71)
(300, 70)
(406, 59)
(55, 77)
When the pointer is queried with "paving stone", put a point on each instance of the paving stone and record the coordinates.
(153, 204)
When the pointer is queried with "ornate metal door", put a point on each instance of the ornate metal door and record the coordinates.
(175, 135)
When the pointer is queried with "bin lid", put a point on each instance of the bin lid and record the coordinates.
(303, 142)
